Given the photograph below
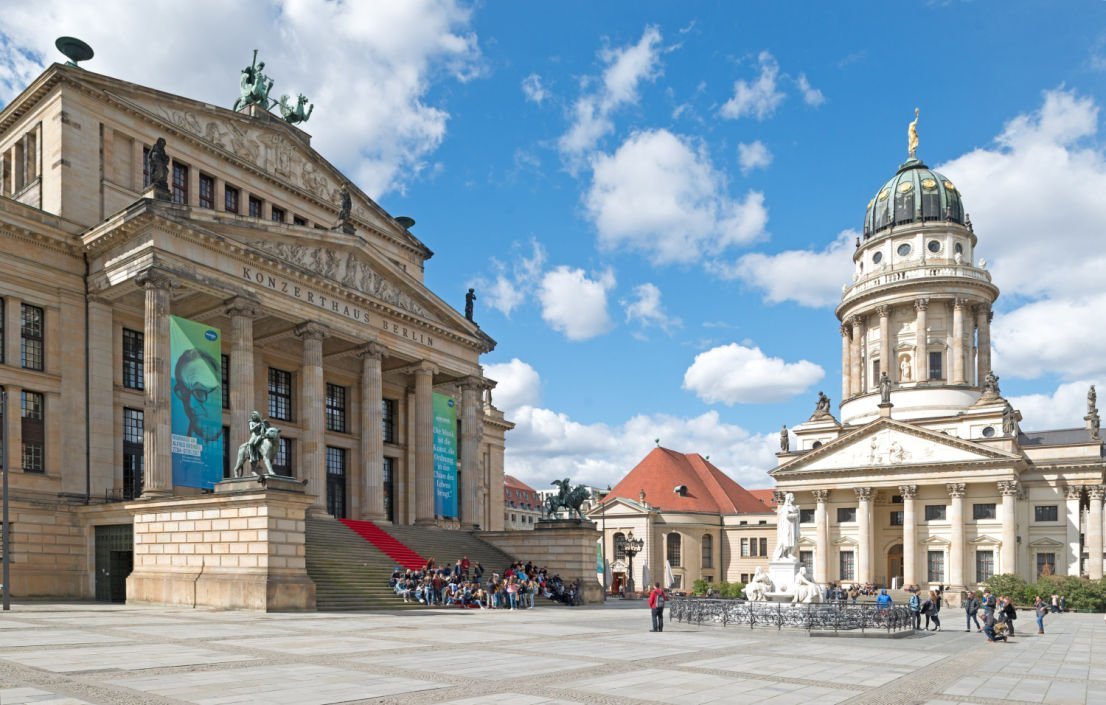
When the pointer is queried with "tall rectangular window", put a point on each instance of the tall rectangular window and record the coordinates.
(984, 565)
(706, 550)
(745, 548)
(983, 511)
(133, 422)
(255, 207)
(31, 346)
(388, 419)
(283, 460)
(280, 394)
(336, 482)
(897, 518)
(299, 220)
(335, 408)
(806, 516)
(763, 546)
(133, 369)
(674, 546)
(230, 199)
(875, 373)
(34, 432)
(207, 191)
(278, 215)
(3, 305)
(935, 562)
(846, 514)
(1046, 512)
(935, 512)
(848, 565)
(1046, 564)
(936, 370)
(224, 363)
(388, 490)
(180, 183)
(806, 559)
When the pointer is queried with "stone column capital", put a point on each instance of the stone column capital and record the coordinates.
(312, 331)
(471, 383)
(1074, 492)
(820, 496)
(960, 303)
(1096, 492)
(154, 278)
(883, 311)
(908, 491)
(240, 306)
(425, 367)
(856, 322)
(921, 304)
(863, 494)
(983, 310)
(956, 490)
(372, 350)
(846, 329)
(1008, 488)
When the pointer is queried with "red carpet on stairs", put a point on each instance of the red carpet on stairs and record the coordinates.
(400, 553)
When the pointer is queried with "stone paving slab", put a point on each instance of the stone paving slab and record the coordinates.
(132, 657)
(34, 696)
(36, 636)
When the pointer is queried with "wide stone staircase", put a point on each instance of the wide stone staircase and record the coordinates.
(349, 572)
(446, 547)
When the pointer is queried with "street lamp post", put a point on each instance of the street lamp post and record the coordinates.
(631, 547)
(603, 520)
(5, 541)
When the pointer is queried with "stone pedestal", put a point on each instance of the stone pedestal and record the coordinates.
(782, 573)
(240, 548)
(565, 546)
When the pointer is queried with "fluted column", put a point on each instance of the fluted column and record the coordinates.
(1009, 552)
(921, 348)
(156, 458)
(1075, 549)
(313, 414)
(958, 341)
(856, 357)
(372, 432)
(864, 533)
(969, 345)
(956, 524)
(909, 535)
(1094, 532)
(821, 537)
(471, 432)
(424, 442)
(983, 354)
(886, 364)
(846, 363)
(242, 313)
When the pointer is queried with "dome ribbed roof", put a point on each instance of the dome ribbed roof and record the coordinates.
(915, 194)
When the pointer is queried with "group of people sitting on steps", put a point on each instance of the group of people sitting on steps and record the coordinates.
(462, 585)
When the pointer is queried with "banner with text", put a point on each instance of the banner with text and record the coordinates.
(196, 419)
(445, 456)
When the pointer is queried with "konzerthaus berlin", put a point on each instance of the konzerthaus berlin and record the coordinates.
(292, 303)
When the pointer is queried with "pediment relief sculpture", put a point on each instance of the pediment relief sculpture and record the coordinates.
(346, 269)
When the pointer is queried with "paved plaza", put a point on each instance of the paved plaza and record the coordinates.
(73, 654)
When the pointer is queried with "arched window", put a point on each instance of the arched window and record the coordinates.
(674, 549)
(708, 551)
(620, 546)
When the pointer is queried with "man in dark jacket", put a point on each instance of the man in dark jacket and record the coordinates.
(656, 606)
(971, 607)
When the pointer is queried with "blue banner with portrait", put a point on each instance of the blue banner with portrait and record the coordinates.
(445, 456)
(196, 421)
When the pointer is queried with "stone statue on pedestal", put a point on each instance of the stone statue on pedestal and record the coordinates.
(470, 298)
(1092, 401)
(345, 208)
(990, 385)
(821, 407)
(787, 529)
(157, 166)
(785, 440)
(759, 586)
(805, 590)
(884, 388)
(259, 450)
(254, 86)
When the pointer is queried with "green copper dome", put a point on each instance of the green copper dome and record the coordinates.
(915, 194)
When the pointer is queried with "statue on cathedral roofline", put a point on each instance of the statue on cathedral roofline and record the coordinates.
(345, 208)
(470, 298)
(912, 136)
(822, 406)
(1092, 401)
(785, 440)
(293, 114)
(255, 86)
(884, 388)
(1009, 421)
(1092, 418)
(157, 165)
(990, 386)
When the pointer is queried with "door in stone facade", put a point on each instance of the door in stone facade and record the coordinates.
(894, 562)
(114, 560)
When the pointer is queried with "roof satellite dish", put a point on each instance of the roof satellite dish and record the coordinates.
(405, 221)
(75, 49)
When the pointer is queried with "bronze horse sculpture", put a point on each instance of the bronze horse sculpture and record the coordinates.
(568, 497)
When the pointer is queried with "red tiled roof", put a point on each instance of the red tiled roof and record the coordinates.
(765, 496)
(709, 490)
(514, 482)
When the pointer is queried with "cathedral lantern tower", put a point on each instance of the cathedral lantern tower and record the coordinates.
(919, 305)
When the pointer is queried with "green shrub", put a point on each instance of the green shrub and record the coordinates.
(1081, 593)
(699, 587)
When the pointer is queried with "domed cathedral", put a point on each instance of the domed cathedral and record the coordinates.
(924, 477)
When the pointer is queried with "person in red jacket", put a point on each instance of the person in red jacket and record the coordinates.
(657, 598)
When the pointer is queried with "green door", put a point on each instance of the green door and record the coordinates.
(114, 561)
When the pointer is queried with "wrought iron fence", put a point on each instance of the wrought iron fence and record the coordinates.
(831, 616)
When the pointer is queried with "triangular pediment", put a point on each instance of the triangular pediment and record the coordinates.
(616, 507)
(890, 443)
(1046, 542)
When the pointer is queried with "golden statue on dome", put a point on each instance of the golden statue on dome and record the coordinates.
(912, 136)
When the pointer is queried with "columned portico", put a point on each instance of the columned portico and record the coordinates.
(1008, 555)
(864, 533)
(956, 492)
(158, 469)
(821, 537)
(471, 431)
(313, 413)
(1094, 532)
(909, 534)
(242, 313)
(372, 432)
(1074, 548)
(424, 442)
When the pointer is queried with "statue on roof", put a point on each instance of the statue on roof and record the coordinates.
(1092, 400)
(254, 86)
(295, 114)
(157, 166)
(822, 406)
(785, 440)
(470, 297)
(990, 385)
(912, 136)
(884, 388)
(345, 209)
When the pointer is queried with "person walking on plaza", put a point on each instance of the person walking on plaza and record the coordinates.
(934, 611)
(915, 605)
(883, 601)
(1063, 604)
(1010, 612)
(988, 602)
(971, 607)
(1041, 609)
(1055, 603)
(656, 606)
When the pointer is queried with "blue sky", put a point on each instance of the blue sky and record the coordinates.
(631, 186)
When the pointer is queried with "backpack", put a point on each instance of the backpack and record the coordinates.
(914, 603)
(659, 602)
(927, 607)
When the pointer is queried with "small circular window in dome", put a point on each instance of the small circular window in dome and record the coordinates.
(816, 445)
(989, 432)
(934, 246)
(884, 194)
(959, 249)
(877, 258)
(903, 250)
(906, 187)
(929, 184)
(949, 186)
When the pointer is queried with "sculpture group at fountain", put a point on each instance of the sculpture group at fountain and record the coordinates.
(786, 578)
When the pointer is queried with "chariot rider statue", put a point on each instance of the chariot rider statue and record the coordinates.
(258, 427)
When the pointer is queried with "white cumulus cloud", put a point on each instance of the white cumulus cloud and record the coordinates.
(808, 277)
(660, 194)
(517, 384)
(736, 374)
(1066, 337)
(758, 98)
(367, 67)
(811, 95)
(646, 309)
(753, 155)
(511, 283)
(533, 89)
(1064, 408)
(575, 304)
